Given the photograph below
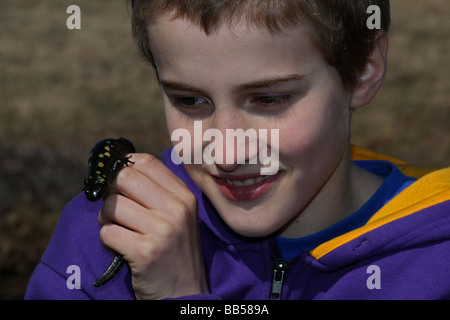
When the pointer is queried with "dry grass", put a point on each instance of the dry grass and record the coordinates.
(63, 90)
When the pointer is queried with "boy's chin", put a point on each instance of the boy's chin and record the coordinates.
(251, 226)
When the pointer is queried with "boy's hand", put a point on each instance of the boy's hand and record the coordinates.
(150, 217)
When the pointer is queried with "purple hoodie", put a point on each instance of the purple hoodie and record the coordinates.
(402, 252)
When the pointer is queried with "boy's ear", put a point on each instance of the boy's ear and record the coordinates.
(372, 77)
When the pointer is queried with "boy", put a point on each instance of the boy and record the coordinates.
(321, 227)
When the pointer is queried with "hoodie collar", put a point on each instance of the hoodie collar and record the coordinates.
(423, 205)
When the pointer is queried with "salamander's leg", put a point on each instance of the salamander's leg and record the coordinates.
(112, 270)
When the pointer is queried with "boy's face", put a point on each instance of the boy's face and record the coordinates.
(248, 78)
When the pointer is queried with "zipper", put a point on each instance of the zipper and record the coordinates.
(280, 267)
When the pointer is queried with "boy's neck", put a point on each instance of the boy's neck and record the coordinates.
(344, 193)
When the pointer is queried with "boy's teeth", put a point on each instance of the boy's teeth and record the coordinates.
(246, 182)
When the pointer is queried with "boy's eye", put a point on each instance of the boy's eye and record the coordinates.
(269, 101)
(192, 105)
(191, 101)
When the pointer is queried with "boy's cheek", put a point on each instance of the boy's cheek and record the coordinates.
(310, 147)
(296, 142)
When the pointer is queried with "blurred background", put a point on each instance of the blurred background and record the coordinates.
(63, 90)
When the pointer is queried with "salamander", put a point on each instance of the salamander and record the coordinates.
(107, 157)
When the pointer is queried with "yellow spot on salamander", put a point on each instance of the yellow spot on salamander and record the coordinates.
(107, 148)
(100, 164)
(98, 172)
(119, 161)
(101, 155)
(107, 154)
(102, 180)
(104, 175)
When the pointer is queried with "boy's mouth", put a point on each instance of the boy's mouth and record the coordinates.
(245, 187)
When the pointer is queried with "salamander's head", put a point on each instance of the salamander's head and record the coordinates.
(94, 189)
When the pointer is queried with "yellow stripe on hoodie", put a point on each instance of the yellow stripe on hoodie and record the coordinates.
(430, 189)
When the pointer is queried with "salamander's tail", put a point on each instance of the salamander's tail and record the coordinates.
(112, 270)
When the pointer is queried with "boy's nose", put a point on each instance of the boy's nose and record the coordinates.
(227, 167)
(237, 147)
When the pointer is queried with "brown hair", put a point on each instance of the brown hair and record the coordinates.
(338, 27)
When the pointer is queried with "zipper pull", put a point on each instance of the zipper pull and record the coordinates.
(279, 269)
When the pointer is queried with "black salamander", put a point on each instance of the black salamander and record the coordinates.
(106, 159)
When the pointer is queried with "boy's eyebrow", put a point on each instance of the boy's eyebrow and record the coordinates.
(177, 86)
(271, 82)
(260, 84)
